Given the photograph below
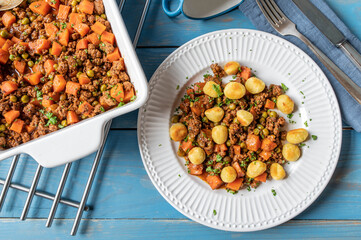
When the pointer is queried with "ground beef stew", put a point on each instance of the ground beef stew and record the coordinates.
(230, 134)
(59, 64)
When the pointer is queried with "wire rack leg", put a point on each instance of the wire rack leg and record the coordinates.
(31, 192)
(58, 194)
(8, 180)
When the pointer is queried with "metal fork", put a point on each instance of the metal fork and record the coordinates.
(284, 26)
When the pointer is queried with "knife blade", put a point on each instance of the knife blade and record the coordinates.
(328, 29)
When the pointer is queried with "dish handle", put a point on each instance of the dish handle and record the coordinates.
(67, 145)
(176, 12)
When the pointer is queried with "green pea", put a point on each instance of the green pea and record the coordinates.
(32, 18)
(51, 76)
(232, 106)
(79, 62)
(103, 87)
(62, 97)
(264, 115)
(175, 119)
(95, 103)
(78, 74)
(109, 74)
(90, 73)
(25, 99)
(260, 126)
(25, 21)
(17, 58)
(94, 94)
(205, 119)
(25, 55)
(12, 57)
(13, 99)
(228, 143)
(103, 16)
(219, 100)
(7, 125)
(235, 120)
(31, 64)
(74, 3)
(2, 127)
(4, 33)
(262, 120)
(55, 66)
(256, 131)
(273, 114)
(243, 145)
(265, 132)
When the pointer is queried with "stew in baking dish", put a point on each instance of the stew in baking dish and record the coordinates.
(230, 134)
(59, 64)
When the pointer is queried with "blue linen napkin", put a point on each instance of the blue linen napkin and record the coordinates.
(350, 109)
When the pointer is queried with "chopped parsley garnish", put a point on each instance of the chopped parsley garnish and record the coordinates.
(306, 124)
(159, 145)
(284, 87)
(217, 88)
(290, 115)
(39, 94)
(120, 104)
(177, 87)
(274, 192)
(102, 109)
(249, 188)
(214, 212)
(206, 75)
(314, 137)
(133, 98)
(231, 191)
(219, 158)
(179, 175)
(60, 126)
(51, 119)
(302, 144)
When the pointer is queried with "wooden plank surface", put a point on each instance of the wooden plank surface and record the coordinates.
(125, 203)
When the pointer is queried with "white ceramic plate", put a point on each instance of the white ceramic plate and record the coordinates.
(274, 60)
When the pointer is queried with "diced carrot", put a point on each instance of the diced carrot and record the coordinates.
(36, 68)
(49, 66)
(83, 79)
(108, 37)
(29, 128)
(265, 154)
(82, 29)
(4, 56)
(86, 6)
(114, 56)
(34, 78)
(2, 42)
(20, 66)
(98, 28)
(17, 126)
(94, 38)
(253, 111)
(198, 88)
(76, 18)
(11, 115)
(220, 148)
(235, 185)
(117, 92)
(120, 63)
(240, 172)
(186, 146)
(40, 7)
(261, 178)
(246, 72)
(195, 169)
(51, 30)
(47, 102)
(237, 149)
(85, 108)
(64, 37)
(71, 117)
(129, 95)
(190, 93)
(7, 45)
(53, 3)
(59, 83)
(269, 104)
(72, 88)
(15, 39)
(8, 19)
(253, 143)
(8, 87)
(63, 12)
(39, 45)
(25, 44)
(35, 102)
(268, 145)
(196, 110)
(56, 49)
(214, 181)
(82, 44)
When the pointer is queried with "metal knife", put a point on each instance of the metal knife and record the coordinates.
(328, 29)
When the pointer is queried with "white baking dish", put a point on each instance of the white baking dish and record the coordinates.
(77, 141)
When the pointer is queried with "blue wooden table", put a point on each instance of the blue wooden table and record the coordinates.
(125, 203)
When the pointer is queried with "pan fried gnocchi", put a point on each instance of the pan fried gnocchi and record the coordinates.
(231, 134)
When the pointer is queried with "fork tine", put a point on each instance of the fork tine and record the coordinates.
(276, 10)
(267, 13)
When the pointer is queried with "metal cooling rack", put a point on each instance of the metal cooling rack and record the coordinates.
(57, 198)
